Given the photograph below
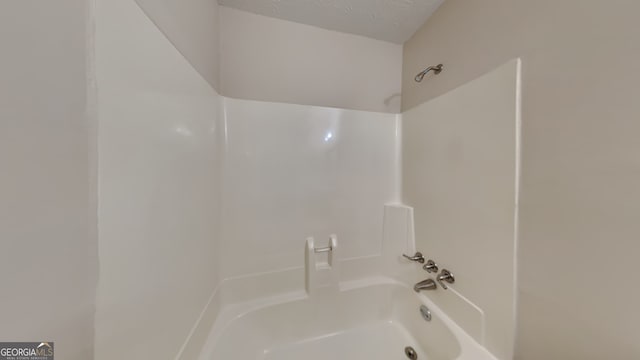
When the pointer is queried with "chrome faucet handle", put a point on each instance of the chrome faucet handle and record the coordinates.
(445, 276)
(431, 266)
(417, 257)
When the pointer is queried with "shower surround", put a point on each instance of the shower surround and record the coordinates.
(196, 188)
(205, 203)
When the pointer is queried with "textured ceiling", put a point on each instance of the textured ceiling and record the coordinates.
(389, 20)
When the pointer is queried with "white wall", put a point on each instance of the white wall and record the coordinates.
(580, 167)
(294, 171)
(160, 156)
(270, 59)
(48, 265)
(459, 155)
(249, 56)
(193, 29)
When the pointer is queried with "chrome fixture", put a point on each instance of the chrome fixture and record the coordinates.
(431, 266)
(445, 276)
(425, 312)
(428, 284)
(326, 248)
(323, 250)
(436, 70)
(410, 353)
(417, 257)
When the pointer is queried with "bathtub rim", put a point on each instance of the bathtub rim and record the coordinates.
(469, 347)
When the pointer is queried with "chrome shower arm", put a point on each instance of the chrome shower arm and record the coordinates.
(436, 70)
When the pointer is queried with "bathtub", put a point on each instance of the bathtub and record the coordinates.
(373, 319)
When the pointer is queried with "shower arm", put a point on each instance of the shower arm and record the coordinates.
(436, 70)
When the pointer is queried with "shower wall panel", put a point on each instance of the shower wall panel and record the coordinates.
(159, 181)
(294, 171)
(460, 171)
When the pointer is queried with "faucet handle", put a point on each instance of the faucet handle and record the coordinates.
(417, 257)
(431, 266)
(445, 276)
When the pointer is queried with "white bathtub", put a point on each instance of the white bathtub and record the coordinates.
(373, 319)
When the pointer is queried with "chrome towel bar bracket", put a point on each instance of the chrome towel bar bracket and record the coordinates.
(323, 250)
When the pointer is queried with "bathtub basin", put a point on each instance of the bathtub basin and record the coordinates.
(372, 319)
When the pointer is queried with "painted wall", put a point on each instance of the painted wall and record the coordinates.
(48, 265)
(580, 167)
(249, 56)
(459, 161)
(159, 173)
(192, 29)
(294, 171)
(270, 59)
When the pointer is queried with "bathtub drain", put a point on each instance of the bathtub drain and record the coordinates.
(411, 353)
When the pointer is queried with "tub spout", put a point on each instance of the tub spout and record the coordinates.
(428, 284)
